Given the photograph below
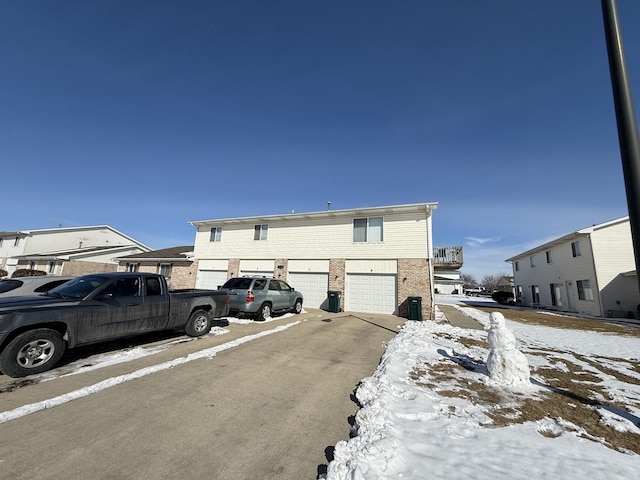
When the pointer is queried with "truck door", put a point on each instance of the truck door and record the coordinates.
(115, 311)
(155, 310)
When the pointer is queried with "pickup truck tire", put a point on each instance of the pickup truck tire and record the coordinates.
(297, 308)
(34, 351)
(199, 323)
(264, 312)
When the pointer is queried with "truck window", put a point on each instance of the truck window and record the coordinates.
(153, 286)
(123, 287)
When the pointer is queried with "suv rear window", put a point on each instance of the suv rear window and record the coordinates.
(8, 285)
(238, 283)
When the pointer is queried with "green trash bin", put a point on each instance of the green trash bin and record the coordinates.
(334, 301)
(415, 308)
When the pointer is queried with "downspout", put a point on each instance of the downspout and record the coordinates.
(432, 303)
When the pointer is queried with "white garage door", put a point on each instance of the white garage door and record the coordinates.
(313, 287)
(371, 293)
(210, 279)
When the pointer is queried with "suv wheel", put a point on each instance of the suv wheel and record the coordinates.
(264, 312)
(297, 308)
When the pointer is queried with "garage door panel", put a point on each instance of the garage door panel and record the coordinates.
(313, 287)
(371, 293)
(210, 279)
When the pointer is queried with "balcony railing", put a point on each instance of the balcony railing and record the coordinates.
(447, 257)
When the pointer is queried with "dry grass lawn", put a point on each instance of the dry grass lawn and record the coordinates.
(573, 396)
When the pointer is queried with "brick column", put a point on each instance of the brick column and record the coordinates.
(337, 277)
(414, 281)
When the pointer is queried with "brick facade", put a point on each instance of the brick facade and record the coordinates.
(233, 270)
(281, 268)
(337, 277)
(183, 274)
(414, 280)
(72, 267)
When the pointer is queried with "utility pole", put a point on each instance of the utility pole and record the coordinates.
(626, 120)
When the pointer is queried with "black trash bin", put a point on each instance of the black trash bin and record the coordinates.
(334, 301)
(415, 308)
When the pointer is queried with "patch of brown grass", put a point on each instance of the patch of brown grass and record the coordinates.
(572, 396)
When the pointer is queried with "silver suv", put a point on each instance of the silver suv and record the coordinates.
(261, 296)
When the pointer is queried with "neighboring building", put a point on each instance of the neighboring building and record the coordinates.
(505, 284)
(175, 263)
(68, 251)
(447, 262)
(375, 257)
(590, 271)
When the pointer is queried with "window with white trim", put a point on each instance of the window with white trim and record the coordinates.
(133, 267)
(216, 234)
(260, 231)
(532, 260)
(165, 269)
(52, 267)
(584, 290)
(16, 242)
(517, 266)
(367, 230)
(548, 256)
(576, 251)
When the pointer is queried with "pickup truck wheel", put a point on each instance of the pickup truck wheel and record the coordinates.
(199, 324)
(297, 308)
(264, 312)
(32, 352)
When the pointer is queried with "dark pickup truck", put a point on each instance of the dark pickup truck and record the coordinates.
(35, 331)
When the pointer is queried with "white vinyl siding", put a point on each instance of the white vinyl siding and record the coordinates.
(405, 236)
(257, 267)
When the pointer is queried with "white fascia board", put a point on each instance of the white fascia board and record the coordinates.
(322, 214)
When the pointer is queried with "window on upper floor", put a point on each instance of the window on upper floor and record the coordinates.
(216, 234)
(367, 229)
(584, 290)
(576, 251)
(16, 242)
(516, 266)
(260, 232)
(548, 256)
(532, 260)
(1, 240)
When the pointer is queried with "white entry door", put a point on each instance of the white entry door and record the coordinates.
(313, 287)
(371, 293)
(210, 279)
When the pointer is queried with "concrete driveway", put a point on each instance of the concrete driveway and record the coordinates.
(270, 408)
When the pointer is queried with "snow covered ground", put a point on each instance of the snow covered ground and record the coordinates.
(420, 419)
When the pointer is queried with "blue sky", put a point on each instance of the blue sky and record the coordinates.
(145, 115)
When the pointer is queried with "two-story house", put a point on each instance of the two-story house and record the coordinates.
(589, 271)
(68, 250)
(375, 257)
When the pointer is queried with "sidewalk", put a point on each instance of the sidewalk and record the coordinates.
(459, 319)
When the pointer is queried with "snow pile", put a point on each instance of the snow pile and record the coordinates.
(507, 365)
(420, 417)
